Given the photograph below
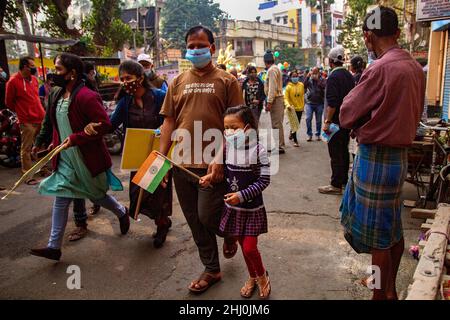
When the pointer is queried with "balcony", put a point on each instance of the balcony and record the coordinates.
(267, 5)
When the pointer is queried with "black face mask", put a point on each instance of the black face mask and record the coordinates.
(33, 71)
(60, 81)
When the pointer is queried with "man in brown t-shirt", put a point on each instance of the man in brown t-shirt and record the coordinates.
(193, 113)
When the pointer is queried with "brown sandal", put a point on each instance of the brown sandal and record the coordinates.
(230, 248)
(208, 278)
(264, 286)
(249, 288)
(78, 233)
(94, 209)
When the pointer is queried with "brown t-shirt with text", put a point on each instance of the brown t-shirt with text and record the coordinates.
(199, 101)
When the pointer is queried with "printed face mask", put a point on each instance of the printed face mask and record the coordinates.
(131, 86)
(200, 58)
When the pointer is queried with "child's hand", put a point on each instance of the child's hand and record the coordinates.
(232, 199)
(205, 181)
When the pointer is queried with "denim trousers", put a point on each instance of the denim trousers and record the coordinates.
(317, 110)
(61, 211)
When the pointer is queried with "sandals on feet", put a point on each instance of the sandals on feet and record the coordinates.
(248, 288)
(230, 248)
(32, 182)
(209, 278)
(264, 286)
(94, 209)
(78, 233)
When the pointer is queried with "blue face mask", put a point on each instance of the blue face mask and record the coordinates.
(3, 74)
(235, 138)
(199, 57)
(295, 80)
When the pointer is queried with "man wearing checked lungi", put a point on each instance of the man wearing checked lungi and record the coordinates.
(383, 111)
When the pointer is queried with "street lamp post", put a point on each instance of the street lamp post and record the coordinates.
(143, 11)
(133, 24)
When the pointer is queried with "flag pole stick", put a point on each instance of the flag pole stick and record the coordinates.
(138, 204)
(179, 167)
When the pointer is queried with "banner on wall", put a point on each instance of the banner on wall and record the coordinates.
(430, 10)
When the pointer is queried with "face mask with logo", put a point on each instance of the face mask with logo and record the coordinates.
(131, 86)
(295, 79)
(60, 80)
(235, 138)
(200, 58)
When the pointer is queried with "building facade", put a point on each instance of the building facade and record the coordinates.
(251, 39)
(304, 19)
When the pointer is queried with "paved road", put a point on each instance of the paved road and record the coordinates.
(304, 251)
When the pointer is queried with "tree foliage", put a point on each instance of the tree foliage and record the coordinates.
(178, 16)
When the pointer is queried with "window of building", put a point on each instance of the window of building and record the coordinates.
(339, 22)
(244, 47)
(267, 21)
(267, 45)
(278, 19)
(285, 20)
(313, 18)
(314, 39)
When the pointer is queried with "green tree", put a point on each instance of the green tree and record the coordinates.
(178, 16)
(105, 28)
(293, 56)
(351, 37)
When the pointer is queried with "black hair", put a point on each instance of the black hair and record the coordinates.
(269, 58)
(251, 68)
(71, 62)
(245, 113)
(197, 29)
(136, 69)
(292, 72)
(388, 22)
(358, 63)
(24, 61)
(336, 63)
(88, 66)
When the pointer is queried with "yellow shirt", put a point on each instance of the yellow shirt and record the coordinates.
(295, 96)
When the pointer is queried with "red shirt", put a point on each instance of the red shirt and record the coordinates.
(22, 97)
(386, 105)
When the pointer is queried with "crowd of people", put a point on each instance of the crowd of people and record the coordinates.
(378, 108)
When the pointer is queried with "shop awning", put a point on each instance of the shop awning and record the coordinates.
(36, 39)
(440, 25)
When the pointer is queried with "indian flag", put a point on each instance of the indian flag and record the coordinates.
(152, 172)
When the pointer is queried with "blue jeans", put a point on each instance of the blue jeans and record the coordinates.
(316, 109)
(61, 211)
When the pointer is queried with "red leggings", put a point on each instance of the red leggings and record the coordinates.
(252, 257)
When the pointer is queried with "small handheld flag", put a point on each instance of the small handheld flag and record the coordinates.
(152, 172)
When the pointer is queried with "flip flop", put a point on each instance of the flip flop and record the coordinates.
(208, 278)
(32, 182)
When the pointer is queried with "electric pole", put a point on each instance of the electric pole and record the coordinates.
(323, 27)
(157, 16)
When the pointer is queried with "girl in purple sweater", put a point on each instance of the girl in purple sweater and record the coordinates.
(248, 174)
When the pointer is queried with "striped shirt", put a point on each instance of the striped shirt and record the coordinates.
(248, 171)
